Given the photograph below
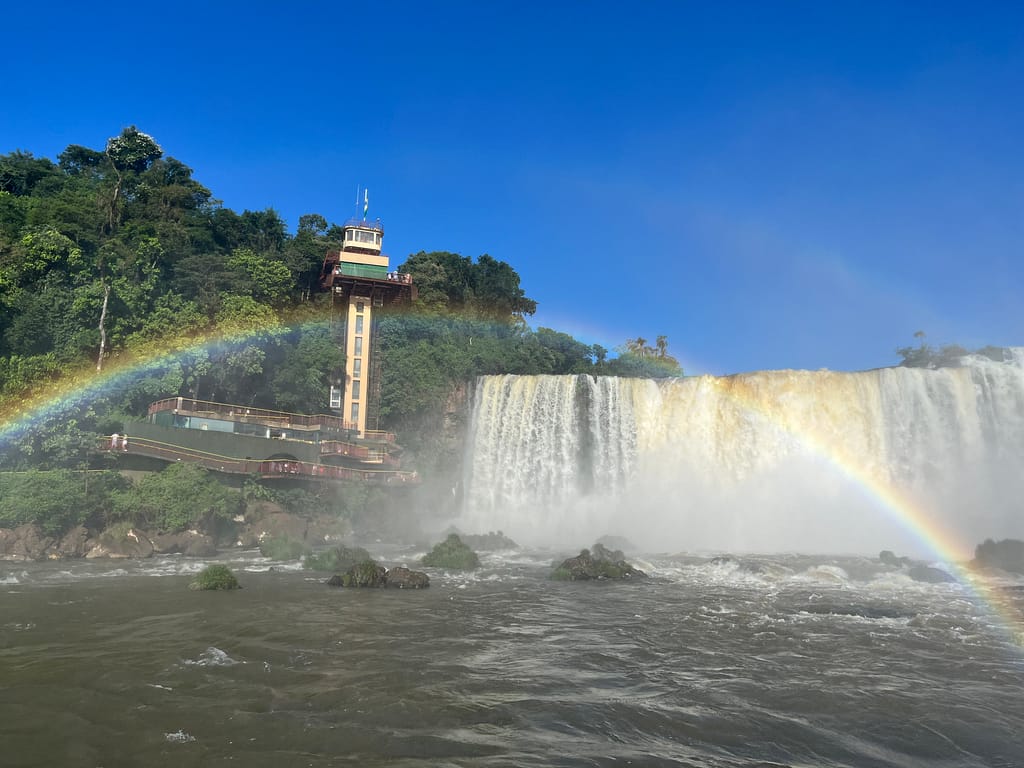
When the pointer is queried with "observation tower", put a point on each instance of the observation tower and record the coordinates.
(361, 283)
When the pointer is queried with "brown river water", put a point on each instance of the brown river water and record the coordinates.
(779, 661)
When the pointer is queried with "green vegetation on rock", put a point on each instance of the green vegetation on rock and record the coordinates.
(282, 548)
(452, 553)
(365, 574)
(336, 559)
(595, 564)
(215, 577)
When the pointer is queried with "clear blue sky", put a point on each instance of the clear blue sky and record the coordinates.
(770, 185)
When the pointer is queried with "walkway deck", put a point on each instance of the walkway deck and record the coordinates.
(267, 469)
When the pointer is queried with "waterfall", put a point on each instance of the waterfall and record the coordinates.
(765, 461)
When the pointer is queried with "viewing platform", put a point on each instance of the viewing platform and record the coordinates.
(268, 469)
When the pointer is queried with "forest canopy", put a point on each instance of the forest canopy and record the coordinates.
(120, 251)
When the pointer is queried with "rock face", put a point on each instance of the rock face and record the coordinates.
(132, 544)
(24, 543)
(1006, 554)
(594, 564)
(452, 553)
(188, 543)
(28, 542)
(265, 520)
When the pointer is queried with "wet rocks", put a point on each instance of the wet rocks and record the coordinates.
(597, 563)
(365, 574)
(401, 577)
(24, 543)
(1006, 554)
(930, 575)
(887, 557)
(369, 573)
(120, 543)
(188, 543)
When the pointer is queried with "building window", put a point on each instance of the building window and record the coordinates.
(359, 345)
(355, 413)
(335, 397)
(360, 306)
(359, 324)
(357, 367)
(356, 386)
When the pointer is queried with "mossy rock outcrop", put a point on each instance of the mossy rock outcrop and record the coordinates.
(215, 577)
(595, 564)
(365, 574)
(452, 553)
(369, 573)
(337, 559)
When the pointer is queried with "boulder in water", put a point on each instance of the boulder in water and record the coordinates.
(595, 564)
(1006, 554)
(452, 553)
(365, 574)
(930, 575)
(887, 557)
(401, 577)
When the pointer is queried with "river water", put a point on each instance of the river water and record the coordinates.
(773, 661)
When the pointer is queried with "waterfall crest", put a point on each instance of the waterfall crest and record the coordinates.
(764, 461)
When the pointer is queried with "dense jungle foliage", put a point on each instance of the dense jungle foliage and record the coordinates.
(113, 256)
(116, 251)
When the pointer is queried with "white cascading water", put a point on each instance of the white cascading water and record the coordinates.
(766, 461)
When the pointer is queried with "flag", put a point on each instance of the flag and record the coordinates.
(366, 202)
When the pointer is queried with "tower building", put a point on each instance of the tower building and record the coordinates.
(361, 283)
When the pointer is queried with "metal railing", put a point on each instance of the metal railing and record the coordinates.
(270, 418)
(267, 468)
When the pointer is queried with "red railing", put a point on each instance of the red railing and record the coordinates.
(268, 468)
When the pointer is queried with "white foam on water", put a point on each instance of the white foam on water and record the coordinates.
(212, 657)
(179, 737)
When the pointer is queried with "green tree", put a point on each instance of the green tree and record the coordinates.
(181, 496)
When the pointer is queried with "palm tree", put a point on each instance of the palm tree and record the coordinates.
(662, 345)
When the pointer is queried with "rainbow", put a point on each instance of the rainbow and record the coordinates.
(71, 394)
(909, 514)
